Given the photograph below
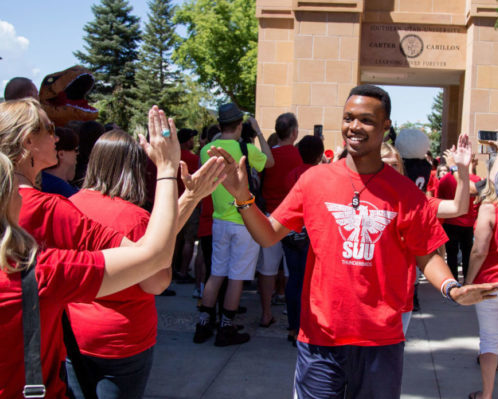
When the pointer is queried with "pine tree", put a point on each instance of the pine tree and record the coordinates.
(110, 53)
(436, 123)
(157, 80)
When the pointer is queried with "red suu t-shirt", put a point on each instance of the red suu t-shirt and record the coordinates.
(488, 273)
(192, 162)
(55, 222)
(447, 189)
(355, 282)
(63, 276)
(125, 323)
(274, 188)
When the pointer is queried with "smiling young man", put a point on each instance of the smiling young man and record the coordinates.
(363, 220)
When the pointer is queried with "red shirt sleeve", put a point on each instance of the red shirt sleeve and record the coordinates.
(56, 223)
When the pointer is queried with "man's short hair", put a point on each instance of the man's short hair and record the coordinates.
(285, 125)
(311, 148)
(375, 92)
(18, 88)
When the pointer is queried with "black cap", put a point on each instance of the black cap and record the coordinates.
(184, 134)
(228, 113)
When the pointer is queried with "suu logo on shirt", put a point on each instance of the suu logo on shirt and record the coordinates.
(360, 229)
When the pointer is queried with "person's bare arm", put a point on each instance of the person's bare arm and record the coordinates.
(265, 148)
(437, 271)
(197, 186)
(265, 231)
(483, 234)
(461, 157)
(126, 266)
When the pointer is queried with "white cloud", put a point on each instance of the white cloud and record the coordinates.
(16, 58)
(11, 44)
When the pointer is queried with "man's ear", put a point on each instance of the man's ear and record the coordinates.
(60, 155)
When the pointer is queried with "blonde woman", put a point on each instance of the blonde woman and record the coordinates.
(65, 276)
(483, 268)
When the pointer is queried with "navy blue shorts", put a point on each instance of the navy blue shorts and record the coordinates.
(353, 372)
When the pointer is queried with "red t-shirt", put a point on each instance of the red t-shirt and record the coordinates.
(55, 222)
(274, 189)
(447, 189)
(294, 174)
(358, 262)
(433, 183)
(206, 218)
(488, 273)
(125, 323)
(63, 276)
(192, 162)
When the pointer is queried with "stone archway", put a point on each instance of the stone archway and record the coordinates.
(312, 52)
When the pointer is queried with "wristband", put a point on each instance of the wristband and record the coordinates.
(167, 178)
(454, 168)
(244, 204)
(248, 202)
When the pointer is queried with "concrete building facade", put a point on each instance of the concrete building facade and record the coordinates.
(312, 52)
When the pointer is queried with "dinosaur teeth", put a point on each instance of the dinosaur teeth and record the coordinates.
(81, 108)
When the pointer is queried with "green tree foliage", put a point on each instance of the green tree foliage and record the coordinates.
(157, 81)
(110, 53)
(195, 113)
(436, 123)
(221, 46)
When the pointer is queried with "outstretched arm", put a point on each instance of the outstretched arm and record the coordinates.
(265, 231)
(437, 272)
(461, 157)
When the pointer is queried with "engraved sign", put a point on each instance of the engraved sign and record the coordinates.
(414, 46)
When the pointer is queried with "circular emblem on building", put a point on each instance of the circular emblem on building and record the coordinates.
(411, 46)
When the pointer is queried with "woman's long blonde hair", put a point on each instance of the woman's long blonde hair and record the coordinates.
(18, 118)
(488, 194)
(17, 248)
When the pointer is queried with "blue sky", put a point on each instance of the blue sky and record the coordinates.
(39, 37)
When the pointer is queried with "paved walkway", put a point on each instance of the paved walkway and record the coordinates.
(440, 353)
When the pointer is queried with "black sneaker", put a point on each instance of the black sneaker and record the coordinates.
(202, 333)
(229, 335)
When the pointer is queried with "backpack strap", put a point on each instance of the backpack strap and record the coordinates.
(243, 148)
(34, 387)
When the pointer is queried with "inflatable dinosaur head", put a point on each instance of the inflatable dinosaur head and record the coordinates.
(62, 95)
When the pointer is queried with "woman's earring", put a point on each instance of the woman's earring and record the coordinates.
(32, 162)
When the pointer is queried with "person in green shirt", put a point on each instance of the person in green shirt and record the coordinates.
(235, 253)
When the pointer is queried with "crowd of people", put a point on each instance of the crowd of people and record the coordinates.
(104, 223)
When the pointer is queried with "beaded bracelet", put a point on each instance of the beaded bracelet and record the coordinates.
(447, 286)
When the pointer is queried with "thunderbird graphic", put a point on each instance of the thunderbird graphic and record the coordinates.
(363, 225)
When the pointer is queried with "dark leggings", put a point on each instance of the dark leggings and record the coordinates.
(460, 238)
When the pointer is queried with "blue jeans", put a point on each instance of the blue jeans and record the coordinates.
(351, 372)
(124, 378)
(296, 263)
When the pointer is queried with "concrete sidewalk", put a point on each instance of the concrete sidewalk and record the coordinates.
(440, 353)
